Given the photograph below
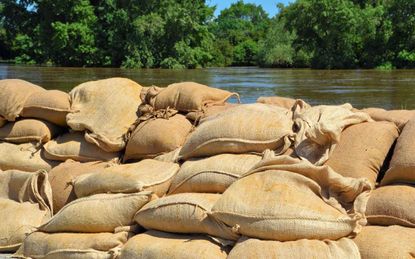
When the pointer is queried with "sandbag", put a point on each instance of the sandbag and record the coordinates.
(285, 199)
(105, 109)
(183, 213)
(376, 242)
(157, 136)
(402, 164)
(198, 116)
(212, 174)
(172, 156)
(319, 129)
(62, 176)
(26, 157)
(25, 203)
(399, 117)
(68, 245)
(29, 130)
(280, 101)
(97, 213)
(363, 149)
(74, 146)
(13, 95)
(146, 175)
(52, 106)
(300, 249)
(392, 205)
(159, 245)
(186, 97)
(243, 129)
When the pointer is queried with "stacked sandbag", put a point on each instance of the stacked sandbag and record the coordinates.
(376, 242)
(104, 110)
(280, 101)
(29, 130)
(25, 202)
(159, 245)
(242, 129)
(197, 116)
(399, 117)
(285, 199)
(212, 174)
(362, 149)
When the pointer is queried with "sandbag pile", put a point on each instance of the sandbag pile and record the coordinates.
(178, 172)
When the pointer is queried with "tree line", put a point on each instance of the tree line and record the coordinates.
(186, 34)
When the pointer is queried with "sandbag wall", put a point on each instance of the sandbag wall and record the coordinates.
(177, 172)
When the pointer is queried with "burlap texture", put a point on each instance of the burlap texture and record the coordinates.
(105, 109)
(280, 101)
(29, 130)
(399, 117)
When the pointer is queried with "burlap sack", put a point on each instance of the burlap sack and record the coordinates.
(283, 102)
(52, 106)
(319, 129)
(26, 157)
(243, 129)
(25, 202)
(146, 175)
(105, 109)
(362, 149)
(172, 156)
(198, 116)
(392, 205)
(68, 245)
(183, 213)
(286, 199)
(402, 165)
(3, 121)
(62, 176)
(159, 245)
(300, 249)
(212, 174)
(376, 242)
(74, 146)
(97, 213)
(13, 95)
(399, 117)
(157, 136)
(29, 130)
(186, 97)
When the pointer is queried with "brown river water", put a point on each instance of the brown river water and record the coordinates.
(362, 88)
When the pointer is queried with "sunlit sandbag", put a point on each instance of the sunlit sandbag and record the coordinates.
(284, 102)
(29, 130)
(52, 106)
(105, 109)
(399, 117)
(197, 116)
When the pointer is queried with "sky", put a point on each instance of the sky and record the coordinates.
(268, 5)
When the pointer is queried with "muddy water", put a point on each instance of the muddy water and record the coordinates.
(362, 88)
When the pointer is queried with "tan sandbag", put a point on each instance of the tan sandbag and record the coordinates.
(402, 164)
(212, 174)
(183, 213)
(285, 199)
(74, 146)
(159, 245)
(319, 129)
(105, 109)
(186, 97)
(97, 213)
(62, 176)
(245, 128)
(26, 157)
(59, 245)
(376, 242)
(52, 106)
(3, 121)
(29, 130)
(280, 101)
(197, 116)
(392, 205)
(13, 95)
(300, 249)
(362, 149)
(25, 203)
(399, 117)
(172, 156)
(146, 175)
(157, 136)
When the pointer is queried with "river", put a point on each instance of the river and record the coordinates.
(362, 88)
